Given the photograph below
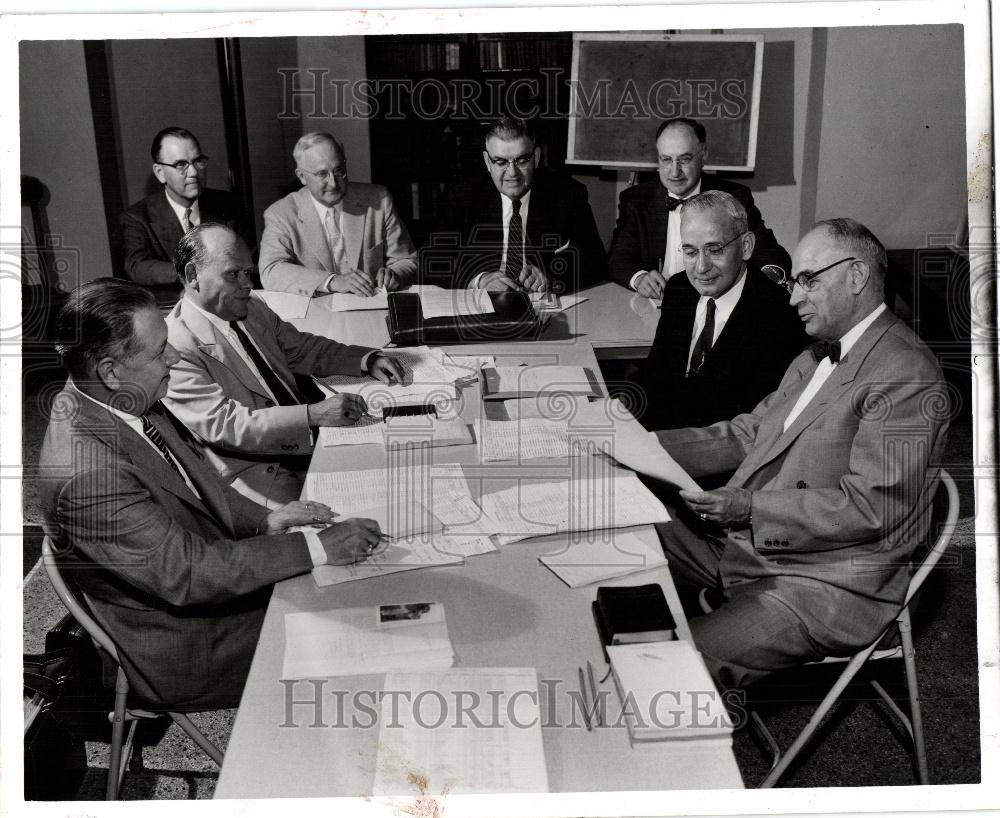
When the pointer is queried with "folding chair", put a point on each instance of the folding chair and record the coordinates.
(914, 723)
(121, 746)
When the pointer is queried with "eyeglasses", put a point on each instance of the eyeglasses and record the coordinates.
(714, 251)
(807, 280)
(521, 162)
(684, 160)
(324, 175)
(181, 165)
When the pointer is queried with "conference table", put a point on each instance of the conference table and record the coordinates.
(503, 609)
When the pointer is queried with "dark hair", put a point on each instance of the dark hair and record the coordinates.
(509, 128)
(98, 320)
(173, 130)
(191, 247)
(860, 241)
(693, 124)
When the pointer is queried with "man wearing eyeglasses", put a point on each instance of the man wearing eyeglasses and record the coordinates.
(153, 227)
(242, 382)
(645, 246)
(726, 332)
(333, 236)
(805, 552)
(522, 227)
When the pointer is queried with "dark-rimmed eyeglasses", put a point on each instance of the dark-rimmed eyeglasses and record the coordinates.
(807, 280)
(714, 251)
(181, 165)
(520, 162)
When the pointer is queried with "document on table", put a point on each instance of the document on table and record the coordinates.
(444, 303)
(350, 302)
(596, 556)
(525, 381)
(542, 406)
(287, 306)
(422, 429)
(525, 439)
(425, 380)
(588, 504)
(351, 641)
(368, 429)
(479, 732)
(400, 555)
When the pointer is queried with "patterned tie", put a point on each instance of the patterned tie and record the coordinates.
(825, 349)
(515, 243)
(187, 219)
(335, 238)
(154, 435)
(281, 393)
(704, 342)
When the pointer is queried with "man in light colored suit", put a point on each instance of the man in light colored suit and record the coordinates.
(235, 385)
(177, 566)
(808, 544)
(333, 236)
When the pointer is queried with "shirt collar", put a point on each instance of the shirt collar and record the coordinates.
(726, 303)
(220, 324)
(692, 192)
(508, 204)
(131, 420)
(850, 338)
(179, 209)
(322, 209)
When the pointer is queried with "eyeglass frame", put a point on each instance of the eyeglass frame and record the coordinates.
(200, 162)
(805, 280)
(520, 162)
(684, 160)
(323, 175)
(714, 251)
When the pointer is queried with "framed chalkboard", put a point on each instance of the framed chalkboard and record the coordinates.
(624, 84)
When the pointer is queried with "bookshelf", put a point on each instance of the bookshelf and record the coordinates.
(431, 95)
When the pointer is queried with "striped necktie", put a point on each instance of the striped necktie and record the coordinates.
(157, 439)
(515, 243)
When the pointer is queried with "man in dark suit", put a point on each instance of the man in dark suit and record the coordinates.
(752, 332)
(644, 249)
(152, 227)
(175, 565)
(522, 227)
(808, 546)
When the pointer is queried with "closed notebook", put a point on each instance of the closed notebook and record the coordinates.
(512, 317)
(631, 614)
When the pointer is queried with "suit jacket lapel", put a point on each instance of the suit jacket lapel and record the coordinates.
(658, 216)
(164, 224)
(354, 230)
(311, 229)
(681, 307)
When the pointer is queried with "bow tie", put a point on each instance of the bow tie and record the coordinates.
(673, 204)
(825, 349)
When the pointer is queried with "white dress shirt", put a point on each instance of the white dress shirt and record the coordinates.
(179, 210)
(506, 211)
(826, 366)
(673, 261)
(724, 306)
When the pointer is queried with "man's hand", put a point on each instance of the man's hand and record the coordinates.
(650, 284)
(385, 369)
(298, 512)
(728, 507)
(533, 279)
(387, 279)
(351, 541)
(352, 281)
(340, 410)
(497, 282)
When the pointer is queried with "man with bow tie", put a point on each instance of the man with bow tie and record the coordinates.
(645, 247)
(806, 549)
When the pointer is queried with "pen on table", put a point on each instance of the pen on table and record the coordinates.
(586, 701)
(593, 687)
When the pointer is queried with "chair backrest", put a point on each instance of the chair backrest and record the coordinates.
(947, 528)
(74, 605)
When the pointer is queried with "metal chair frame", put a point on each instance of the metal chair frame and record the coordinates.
(121, 745)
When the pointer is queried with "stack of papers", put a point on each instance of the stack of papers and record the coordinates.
(601, 555)
(423, 429)
(667, 694)
(479, 732)
(353, 641)
(504, 382)
(439, 303)
(527, 439)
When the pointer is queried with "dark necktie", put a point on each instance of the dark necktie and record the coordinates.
(673, 204)
(187, 220)
(157, 439)
(515, 243)
(704, 342)
(825, 349)
(281, 393)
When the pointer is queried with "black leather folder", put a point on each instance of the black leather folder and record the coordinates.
(513, 319)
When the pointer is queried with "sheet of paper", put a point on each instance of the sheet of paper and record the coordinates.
(542, 406)
(469, 364)
(369, 429)
(567, 301)
(400, 555)
(349, 302)
(350, 641)
(498, 747)
(525, 439)
(532, 380)
(443, 303)
(426, 430)
(600, 555)
(591, 504)
(288, 306)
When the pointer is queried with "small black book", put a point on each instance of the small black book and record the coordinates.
(637, 613)
(512, 318)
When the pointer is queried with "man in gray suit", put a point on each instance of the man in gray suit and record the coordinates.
(332, 235)
(176, 565)
(808, 545)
